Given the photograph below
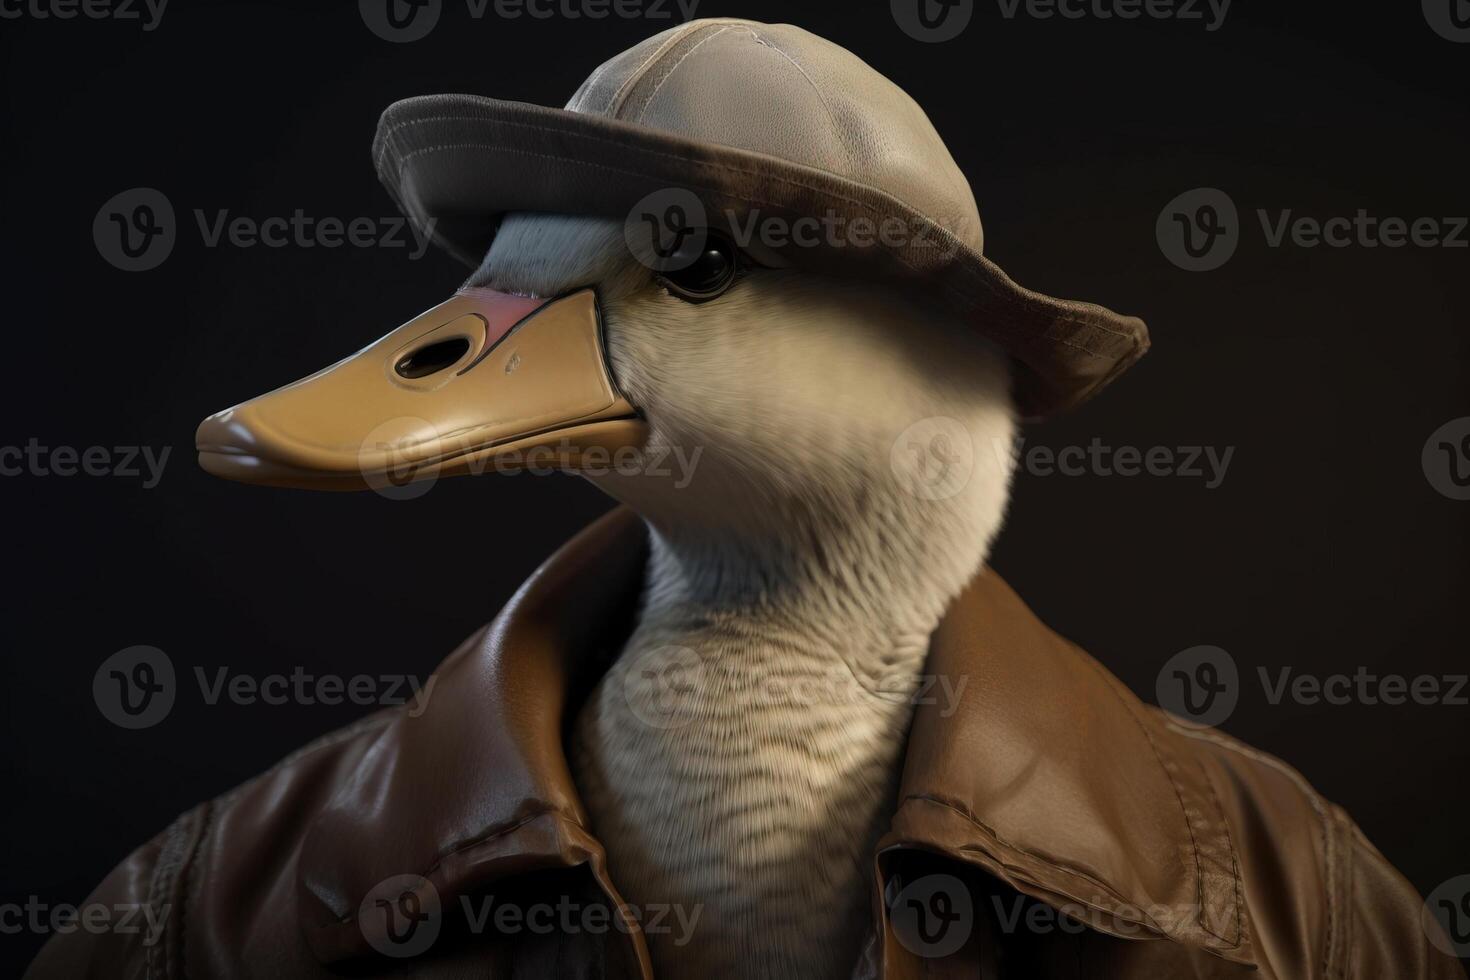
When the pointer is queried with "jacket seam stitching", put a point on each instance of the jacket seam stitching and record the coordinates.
(188, 882)
(1329, 854)
(175, 854)
(1329, 848)
(160, 870)
(1199, 884)
(965, 812)
(477, 841)
(1349, 923)
(1234, 857)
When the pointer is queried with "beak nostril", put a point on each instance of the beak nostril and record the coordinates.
(433, 358)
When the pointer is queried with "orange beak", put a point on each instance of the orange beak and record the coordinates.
(486, 380)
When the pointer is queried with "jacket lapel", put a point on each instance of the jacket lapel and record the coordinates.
(1051, 776)
(477, 787)
(1026, 760)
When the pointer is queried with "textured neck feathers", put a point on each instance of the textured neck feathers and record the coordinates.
(843, 458)
(741, 757)
(866, 581)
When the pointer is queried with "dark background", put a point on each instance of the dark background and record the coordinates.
(1326, 548)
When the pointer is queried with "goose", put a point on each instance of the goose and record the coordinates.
(740, 757)
(760, 749)
(792, 586)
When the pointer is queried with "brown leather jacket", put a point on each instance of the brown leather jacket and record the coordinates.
(1051, 826)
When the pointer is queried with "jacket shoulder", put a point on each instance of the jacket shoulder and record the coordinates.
(1322, 900)
(219, 877)
(1054, 777)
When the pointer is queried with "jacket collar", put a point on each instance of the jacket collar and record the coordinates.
(1045, 772)
(1053, 777)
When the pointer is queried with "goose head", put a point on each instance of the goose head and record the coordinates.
(751, 413)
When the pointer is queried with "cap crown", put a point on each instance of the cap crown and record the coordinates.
(781, 91)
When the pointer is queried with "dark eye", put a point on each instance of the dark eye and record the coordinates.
(708, 276)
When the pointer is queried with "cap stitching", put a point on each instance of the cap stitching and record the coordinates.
(831, 116)
(637, 73)
(675, 67)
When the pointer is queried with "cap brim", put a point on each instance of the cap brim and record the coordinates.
(456, 163)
